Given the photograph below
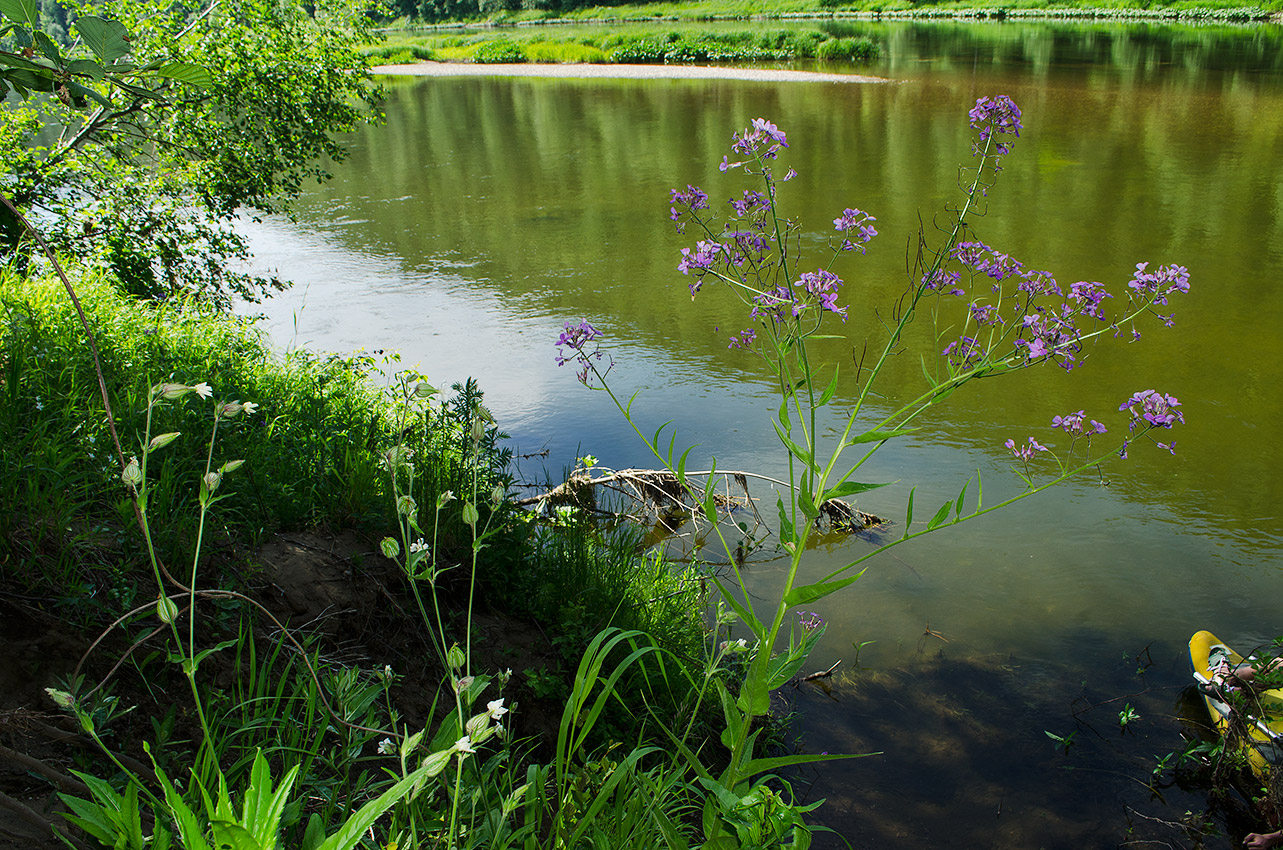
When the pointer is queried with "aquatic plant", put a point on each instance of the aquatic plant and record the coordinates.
(992, 315)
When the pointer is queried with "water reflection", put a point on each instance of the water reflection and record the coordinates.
(487, 211)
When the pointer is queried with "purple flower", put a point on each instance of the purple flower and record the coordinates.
(1157, 409)
(1038, 283)
(855, 224)
(1026, 452)
(966, 352)
(701, 261)
(751, 201)
(578, 343)
(745, 339)
(1159, 284)
(986, 314)
(777, 305)
(943, 281)
(824, 286)
(996, 116)
(1072, 424)
(1089, 296)
(809, 620)
(763, 139)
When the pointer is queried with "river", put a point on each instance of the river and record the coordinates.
(489, 210)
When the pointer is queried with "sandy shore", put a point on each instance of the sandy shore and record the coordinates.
(629, 72)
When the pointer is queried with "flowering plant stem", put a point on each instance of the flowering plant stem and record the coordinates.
(1021, 320)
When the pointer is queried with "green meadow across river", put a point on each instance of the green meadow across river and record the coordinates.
(490, 209)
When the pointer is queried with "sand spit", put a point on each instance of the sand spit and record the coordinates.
(627, 72)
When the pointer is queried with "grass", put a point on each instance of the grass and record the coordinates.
(644, 44)
(314, 454)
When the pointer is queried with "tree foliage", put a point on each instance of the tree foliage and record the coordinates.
(138, 143)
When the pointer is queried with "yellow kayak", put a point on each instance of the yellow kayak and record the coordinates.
(1265, 723)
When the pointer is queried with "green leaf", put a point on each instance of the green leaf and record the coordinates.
(787, 534)
(48, 48)
(21, 11)
(86, 68)
(878, 435)
(186, 72)
(41, 80)
(784, 416)
(830, 390)
(745, 613)
(229, 835)
(798, 452)
(957, 511)
(81, 91)
(755, 698)
(109, 40)
(940, 516)
(848, 488)
(808, 593)
(908, 514)
(768, 765)
(804, 501)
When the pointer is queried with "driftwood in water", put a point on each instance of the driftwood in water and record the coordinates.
(662, 489)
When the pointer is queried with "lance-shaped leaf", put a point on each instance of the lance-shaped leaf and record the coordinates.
(849, 488)
(808, 593)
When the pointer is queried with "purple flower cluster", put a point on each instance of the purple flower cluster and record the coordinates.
(856, 225)
(745, 339)
(1026, 452)
(1159, 284)
(1073, 425)
(750, 202)
(995, 117)
(981, 259)
(1089, 297)
(823, 286)
(763, 140)
(693, 199)
(943, 281)
(578, 343)
(965, 352)
(1151, 406)
(809, 620)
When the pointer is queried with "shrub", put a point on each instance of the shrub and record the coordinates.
(848, 50)
(501, 52)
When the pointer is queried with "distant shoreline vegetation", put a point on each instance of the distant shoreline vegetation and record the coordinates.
(436, 14)
(674, 34)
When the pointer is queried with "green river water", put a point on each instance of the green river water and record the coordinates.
(489, 210)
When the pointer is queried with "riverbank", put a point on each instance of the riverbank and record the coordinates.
(626, 72)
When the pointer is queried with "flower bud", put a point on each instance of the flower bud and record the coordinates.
(406, 506)
(211, 482)
(132, 474)
(422, 389)
(159, 442)
(166, 610)
(389, 547)
(454, 657)
(444, 499)
(169, 392)
(470, 515)
(230, 466)
(497, 494)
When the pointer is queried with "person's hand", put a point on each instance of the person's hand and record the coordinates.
(1256, 841)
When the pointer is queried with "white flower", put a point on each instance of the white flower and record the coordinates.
(250, 408)
(386, 747)
(463, 745)
(495, 709)
(203, 390)
(418, 546)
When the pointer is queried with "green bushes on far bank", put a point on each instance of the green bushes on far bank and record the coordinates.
(642, 46)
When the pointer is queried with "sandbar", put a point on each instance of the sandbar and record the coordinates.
(627, 72)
